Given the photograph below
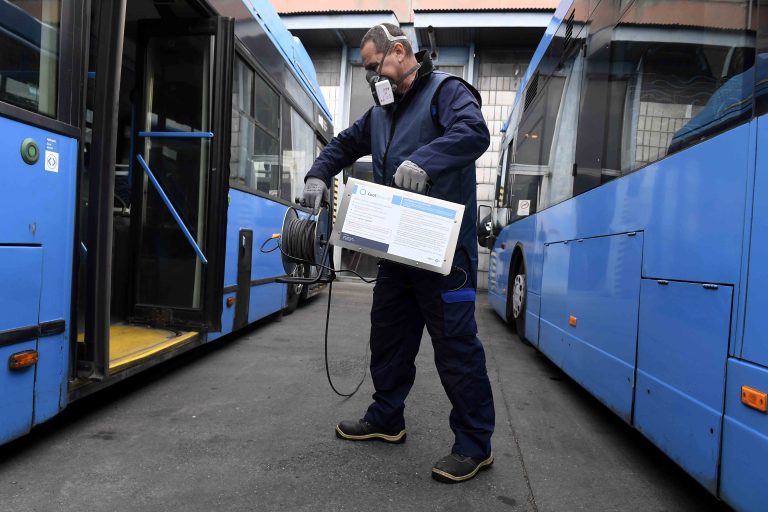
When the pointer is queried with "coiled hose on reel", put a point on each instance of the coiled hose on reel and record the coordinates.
(298, 239)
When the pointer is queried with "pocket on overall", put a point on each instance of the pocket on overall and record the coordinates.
(459, 312)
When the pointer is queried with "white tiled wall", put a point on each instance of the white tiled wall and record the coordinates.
(498, 77)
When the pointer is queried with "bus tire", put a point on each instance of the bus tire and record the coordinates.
(517, 300)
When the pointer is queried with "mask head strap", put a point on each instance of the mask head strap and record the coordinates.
(390, 39)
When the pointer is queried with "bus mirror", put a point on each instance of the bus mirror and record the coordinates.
(500, 219)
(485, 234)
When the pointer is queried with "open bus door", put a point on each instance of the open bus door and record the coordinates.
(181, 172)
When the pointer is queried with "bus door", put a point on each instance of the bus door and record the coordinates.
(181, 172)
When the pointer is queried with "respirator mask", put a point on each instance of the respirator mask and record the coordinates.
(383, 87)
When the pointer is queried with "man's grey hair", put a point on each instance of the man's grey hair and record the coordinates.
(379, 38)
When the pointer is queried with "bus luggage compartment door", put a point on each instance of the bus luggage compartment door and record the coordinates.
(20, 275)
(755, 348)
(589, 299)
(681, 354)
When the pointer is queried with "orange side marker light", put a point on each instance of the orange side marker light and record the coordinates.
(754, 398)
(572, 321)
(24, 359)
(230, 301)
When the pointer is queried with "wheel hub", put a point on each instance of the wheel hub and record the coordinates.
(518, 295)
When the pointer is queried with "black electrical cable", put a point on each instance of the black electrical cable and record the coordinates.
(327, 367)
(300, 239)
(299, 242)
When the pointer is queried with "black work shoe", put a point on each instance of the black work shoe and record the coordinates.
(361, 430)
(455, 468)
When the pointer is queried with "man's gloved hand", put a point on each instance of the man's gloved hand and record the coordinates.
(314, 193)
(410, 176)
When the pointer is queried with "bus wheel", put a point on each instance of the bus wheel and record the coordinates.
(294, 291)
(518, 296)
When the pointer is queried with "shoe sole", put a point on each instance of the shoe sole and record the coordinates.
(395, 439)
(447, 478)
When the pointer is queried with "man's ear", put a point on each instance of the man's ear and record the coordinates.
(399, 50)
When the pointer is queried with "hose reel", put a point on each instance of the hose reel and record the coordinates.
(304, 241)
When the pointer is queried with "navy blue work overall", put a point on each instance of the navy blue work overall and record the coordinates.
(438, 126)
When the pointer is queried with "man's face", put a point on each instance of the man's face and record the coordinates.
(389, 65)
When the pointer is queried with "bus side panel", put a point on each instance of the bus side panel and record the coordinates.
(679, 405)
(52, 382)
(697, 231)
(20, 275)
(264, 218)
(743, 478)
(532, 312)
(589, 303)
(755, 348)
(690, 205)
(37, 205)
(227, 318)
(266, 299)
(554, 302)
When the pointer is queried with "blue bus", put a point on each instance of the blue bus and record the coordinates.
(627, 233)
(149, 149)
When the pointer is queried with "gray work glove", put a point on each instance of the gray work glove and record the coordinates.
(410, 176)
(314, 193)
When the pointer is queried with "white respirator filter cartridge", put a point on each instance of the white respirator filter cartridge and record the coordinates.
(384, 92)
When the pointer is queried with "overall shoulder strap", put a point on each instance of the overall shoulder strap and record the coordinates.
(445, 77)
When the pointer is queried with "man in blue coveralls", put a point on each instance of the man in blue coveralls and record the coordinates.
(424, 134)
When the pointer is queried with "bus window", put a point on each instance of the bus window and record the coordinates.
(761, 60)
(654, 89)
(298, 153)
(255, 156)
(534, 138)
(530, 161)
(523, 195)
(242, 120)
(600, 106)
(522, 191)
(29, 54)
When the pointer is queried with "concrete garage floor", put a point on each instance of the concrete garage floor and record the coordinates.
(247, 424)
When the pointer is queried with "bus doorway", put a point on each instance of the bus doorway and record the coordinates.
(179, 190)
(152, 210)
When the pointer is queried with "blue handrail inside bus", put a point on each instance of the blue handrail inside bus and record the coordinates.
(171, 209)
(178, 135)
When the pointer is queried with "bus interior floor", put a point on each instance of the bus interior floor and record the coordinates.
(132, 343)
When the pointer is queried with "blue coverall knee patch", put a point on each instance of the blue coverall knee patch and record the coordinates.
(459, 312)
